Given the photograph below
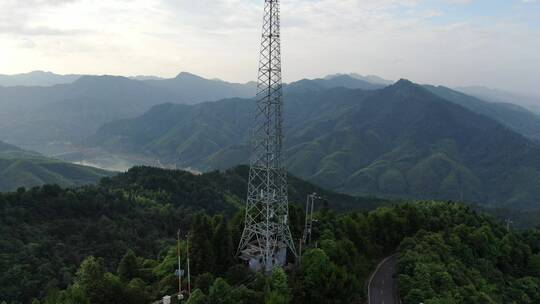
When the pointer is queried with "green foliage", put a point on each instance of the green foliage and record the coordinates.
(278, 291)
(317, 269)
(94, 281)
(220, 292)
(72, 295)
(197, 297)
(128, 268)
(534, 265)
(222, 247)
(135, 292)
(475, 261)
(204, 281)
(201, 252)
(48, 231)
(448, 252)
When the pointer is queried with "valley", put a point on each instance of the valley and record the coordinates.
(342, 132)
(401, 141)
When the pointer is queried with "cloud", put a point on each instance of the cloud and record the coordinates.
(18, 29)
(26, 44)
(35, 3)
(220, 38)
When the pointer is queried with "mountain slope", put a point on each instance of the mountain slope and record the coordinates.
(48, 231)
(68, 112)
(494, 95)
(400, 141)
(516, 117)
(34, 117)
(20, 168)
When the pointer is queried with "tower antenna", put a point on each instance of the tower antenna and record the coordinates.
(308, 225)
(179, 271)
(266, 236)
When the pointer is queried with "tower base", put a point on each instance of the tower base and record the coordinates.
(255, 262)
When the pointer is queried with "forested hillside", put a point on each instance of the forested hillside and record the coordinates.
(514, 116)
(21, 168)
(400, 141)
(114, 243)
(47, 232)
(473, 262)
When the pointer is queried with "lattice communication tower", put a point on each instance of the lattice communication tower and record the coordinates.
(266, 236)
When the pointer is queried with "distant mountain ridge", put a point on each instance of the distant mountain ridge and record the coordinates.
(34, 117)
(373, 79)
(399, 141)
(345, 81)
(21, 168)
(36, 78)
(514, 116)
(194, 89)
(68, 112)
(500, 96)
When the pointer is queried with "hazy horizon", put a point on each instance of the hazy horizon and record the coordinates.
(445, 42)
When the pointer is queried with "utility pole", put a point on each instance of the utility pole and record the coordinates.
(267, 236)
(509, 223)
(180, 274)
(188, 273)
(300, 251)
(308, 225)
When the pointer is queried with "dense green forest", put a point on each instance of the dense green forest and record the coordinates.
(473, 262)
(48, 231)
(115, 243)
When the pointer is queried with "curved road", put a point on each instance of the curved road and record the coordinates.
(382, 286)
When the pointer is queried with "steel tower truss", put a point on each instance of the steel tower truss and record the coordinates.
(266, 235)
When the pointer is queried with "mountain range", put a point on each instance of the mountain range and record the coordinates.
(512, 115)
(21, 168)
(404, 140)
(38, 117)
(35, 116)
(36, 78)
(349, 133)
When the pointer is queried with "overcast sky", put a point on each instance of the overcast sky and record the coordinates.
(494, 43)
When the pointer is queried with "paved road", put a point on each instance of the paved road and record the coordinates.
(382, 287)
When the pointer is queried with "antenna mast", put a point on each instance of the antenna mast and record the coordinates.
(308, 226)
(266, 235)
(179, 265)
